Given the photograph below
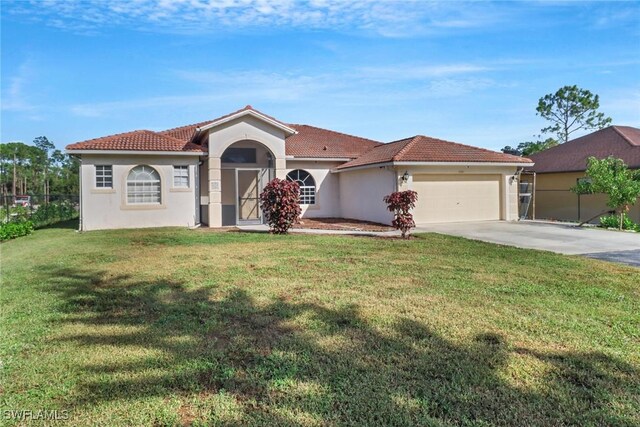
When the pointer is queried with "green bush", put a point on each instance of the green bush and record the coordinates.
(19, 213)
(52, 213)
(613, 221)
(13, 229)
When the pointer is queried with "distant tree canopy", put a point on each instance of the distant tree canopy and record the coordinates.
(37, 169)
(571, 109)
(530, 147)
(568, 110)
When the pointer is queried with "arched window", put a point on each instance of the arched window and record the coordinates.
(307, 186)
(143, 185)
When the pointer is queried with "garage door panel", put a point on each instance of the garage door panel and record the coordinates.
(453, 198)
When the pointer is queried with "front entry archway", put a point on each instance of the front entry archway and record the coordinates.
(246, 168)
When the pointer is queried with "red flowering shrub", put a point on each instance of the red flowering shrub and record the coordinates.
(400, 203)
(280, 203)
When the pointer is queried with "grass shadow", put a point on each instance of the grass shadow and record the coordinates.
(279, 358)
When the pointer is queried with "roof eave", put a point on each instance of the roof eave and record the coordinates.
(401, 163)
(408, 163)
(319, 159)
(136, 152)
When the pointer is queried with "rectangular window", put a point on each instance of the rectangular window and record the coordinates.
(307, 195)
(181, 176)
(104, 176)
(239, 155)
(143, 192)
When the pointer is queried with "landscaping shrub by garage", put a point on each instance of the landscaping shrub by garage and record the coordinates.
(401, 203)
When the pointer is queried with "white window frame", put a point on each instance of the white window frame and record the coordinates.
(143, 190)
(180, 172)
(307, 186)
(104, 176)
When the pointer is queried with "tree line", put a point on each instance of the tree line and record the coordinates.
(37, 169)
(568, 110)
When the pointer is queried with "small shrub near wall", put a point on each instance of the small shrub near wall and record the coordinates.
(613, 221)
(21, 220)
(280, 204)
(401, 203)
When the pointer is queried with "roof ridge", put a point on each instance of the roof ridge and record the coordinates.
(293, 125)
(399, 140)
(184, 126)
(164, 136)
(470, 146)
(625, 137)
(404, 149)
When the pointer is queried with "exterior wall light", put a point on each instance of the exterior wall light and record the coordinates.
(405, 176)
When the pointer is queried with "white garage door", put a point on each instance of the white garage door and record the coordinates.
(455, 198)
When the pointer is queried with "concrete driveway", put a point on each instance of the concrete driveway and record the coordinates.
(561, 238)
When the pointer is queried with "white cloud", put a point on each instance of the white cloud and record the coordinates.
(420, 71)
(383, 17)
(14, 96)
(238, 87)
(352, 86)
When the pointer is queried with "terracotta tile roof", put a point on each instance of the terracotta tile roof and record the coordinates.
(311, 141)
(618, 141)
(137, 140)
(425, 149)
(184, 133)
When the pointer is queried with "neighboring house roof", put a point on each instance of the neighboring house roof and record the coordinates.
(622, 142)
(310, 141)
(425, 149)
(137, 140)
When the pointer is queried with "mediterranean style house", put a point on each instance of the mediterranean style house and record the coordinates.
(559, 168)
(211, 173)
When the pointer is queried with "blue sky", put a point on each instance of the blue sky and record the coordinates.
(467, 72)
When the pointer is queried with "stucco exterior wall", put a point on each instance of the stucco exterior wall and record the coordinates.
(361, 193)
(108, 208)
(555, 200)
(327, 188)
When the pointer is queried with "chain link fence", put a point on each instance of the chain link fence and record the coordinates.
(40, 209)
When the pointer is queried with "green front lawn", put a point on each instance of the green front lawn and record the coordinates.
(180, 327)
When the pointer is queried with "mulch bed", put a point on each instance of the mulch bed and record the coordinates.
(343, 224)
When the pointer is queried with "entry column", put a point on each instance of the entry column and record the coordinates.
(215, 192)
